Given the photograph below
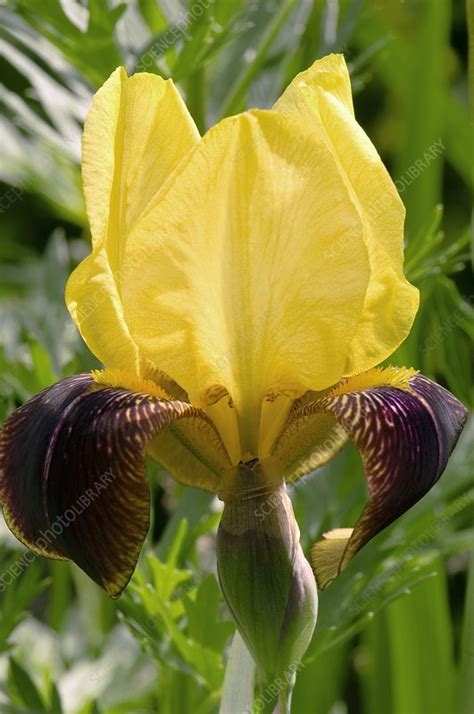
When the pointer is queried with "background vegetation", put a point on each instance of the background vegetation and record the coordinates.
(396, 631)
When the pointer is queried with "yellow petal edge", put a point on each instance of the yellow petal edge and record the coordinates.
(321, 98)
(136, 133)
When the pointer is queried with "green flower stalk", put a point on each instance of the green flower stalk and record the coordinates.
(265, 578)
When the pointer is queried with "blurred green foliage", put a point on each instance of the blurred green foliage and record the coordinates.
(395, 630)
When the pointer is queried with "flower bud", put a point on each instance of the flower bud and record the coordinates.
(267, 582)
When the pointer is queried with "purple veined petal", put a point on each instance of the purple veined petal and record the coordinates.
(72, 473)
(24, 443)
(405, 437)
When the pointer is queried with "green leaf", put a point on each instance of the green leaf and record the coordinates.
(153, 14)
(375, 674)
(55, 705)
(205, 662)
(203, 616)
(466, 683)
(42, 364)
(166, 578)
(424, 112)
(421, 648)
(267, 26)
(319, 684)
(198, 35)
(91, 50)
(40, 138)
(459, 136)
(24, 688)
(155, 613)
(440, 342)
(151, 57)
(177, 544)
(204, 37)
(414, 67)
(192, 506)
(20, 584)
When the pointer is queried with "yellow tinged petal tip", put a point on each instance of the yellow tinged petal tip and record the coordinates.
(127, 380)
(326, 555)
(397, 377)
(330, 74)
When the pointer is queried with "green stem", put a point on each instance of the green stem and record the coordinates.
(284, 701)
(234, 97)
(237, 693)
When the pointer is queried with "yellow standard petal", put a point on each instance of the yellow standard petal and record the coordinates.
(320, 97)
(136, 133)
(244, 290)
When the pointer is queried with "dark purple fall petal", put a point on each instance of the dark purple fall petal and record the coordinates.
(405, 439)
(72, 474)
(24, 441)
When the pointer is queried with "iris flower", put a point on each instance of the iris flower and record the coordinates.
(242, 288)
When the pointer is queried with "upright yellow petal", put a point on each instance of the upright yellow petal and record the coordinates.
(329, 74)
(244, 289)
(321, 97)
(136, 133)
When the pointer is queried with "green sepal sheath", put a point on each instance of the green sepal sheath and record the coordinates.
(267, 582)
